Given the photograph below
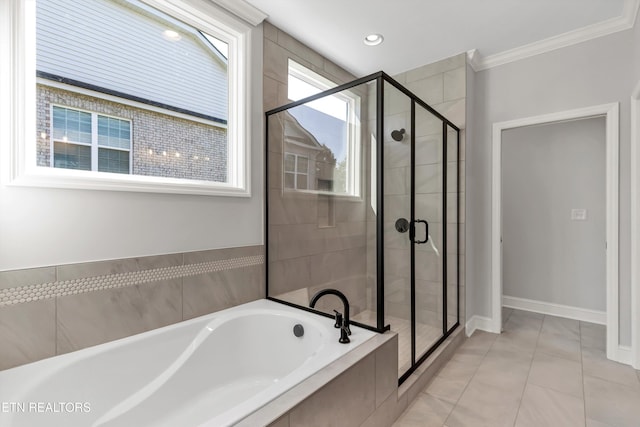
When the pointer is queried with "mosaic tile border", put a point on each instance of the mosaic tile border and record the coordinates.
(29, 293)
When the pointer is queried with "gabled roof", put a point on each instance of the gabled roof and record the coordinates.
(118, 46)
(295, 133)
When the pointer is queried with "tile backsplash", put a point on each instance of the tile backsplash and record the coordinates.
(54, 310)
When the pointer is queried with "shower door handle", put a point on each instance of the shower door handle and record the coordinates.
(426, 232)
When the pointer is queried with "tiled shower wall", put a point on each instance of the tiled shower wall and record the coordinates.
(305, 255)
(442, 85)
(54, 310)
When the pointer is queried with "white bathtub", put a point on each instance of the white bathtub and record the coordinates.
(210, 371)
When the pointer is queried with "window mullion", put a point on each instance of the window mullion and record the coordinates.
(94, 142)
(51, 151)
(130, 146)
(295, 171)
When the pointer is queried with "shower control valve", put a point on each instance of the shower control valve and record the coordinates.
(402, 225)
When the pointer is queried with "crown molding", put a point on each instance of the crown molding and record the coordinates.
(243, 10)
(473, 59)
(623, 22)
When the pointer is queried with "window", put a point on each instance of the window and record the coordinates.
(183, 78)
(296, 171)
(326, 132)
(89, 141)
(147, 96)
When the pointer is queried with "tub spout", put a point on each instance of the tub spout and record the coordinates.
(345, 330)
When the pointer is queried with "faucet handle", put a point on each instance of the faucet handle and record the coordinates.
(344, 333)
(339, 320)
(346, 327)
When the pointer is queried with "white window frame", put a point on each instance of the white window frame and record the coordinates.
(18, 107)
(95, 146)
(295, 171)
(354, 162)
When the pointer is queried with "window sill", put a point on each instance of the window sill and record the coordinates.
(84, 180)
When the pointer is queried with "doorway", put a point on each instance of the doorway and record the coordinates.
(635, 227)
(609, 114)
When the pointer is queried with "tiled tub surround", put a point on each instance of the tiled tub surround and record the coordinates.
(79, 305)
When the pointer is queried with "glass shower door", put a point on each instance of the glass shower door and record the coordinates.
(397, 216)
(429, 233)
(414, 226)
(421, 226)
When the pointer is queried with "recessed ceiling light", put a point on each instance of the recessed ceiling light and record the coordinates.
(373, 39)
(171, 35)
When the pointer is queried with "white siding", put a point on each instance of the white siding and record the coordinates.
(118, 46)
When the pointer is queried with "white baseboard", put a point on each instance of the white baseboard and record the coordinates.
(577, 313)
(479, 322)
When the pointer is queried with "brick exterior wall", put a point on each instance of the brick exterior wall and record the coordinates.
(202, 148)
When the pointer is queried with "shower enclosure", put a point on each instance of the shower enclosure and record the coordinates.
(363, 196)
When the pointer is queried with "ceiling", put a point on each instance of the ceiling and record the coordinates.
(418, 32)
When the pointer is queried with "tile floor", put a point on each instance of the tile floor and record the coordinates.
(541, 371)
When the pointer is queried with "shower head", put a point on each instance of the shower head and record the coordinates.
(397, 135)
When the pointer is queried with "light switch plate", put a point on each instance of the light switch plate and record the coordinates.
(578, 214)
